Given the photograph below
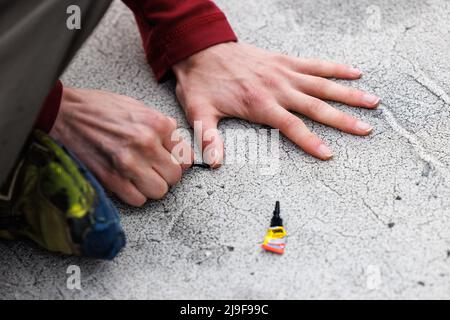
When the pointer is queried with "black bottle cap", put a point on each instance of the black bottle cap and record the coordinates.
(276, 219)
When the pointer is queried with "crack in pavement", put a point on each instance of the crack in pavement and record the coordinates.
(421, 78)
(412, 139)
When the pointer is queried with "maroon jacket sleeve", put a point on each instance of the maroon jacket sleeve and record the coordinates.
(49, 109)
(173, 30)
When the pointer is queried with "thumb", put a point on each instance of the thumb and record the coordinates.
(174, 121)
(208, 136)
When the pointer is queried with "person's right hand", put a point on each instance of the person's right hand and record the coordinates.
(124, 143)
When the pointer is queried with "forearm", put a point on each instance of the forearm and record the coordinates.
(162, 24)
(173, 30)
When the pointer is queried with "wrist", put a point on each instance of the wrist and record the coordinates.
(68, 97)
(218, 51)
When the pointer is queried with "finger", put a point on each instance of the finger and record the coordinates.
(205, 128)
(151, 184)
(322, 112)
(128, 193)
(173, 121)
(179, 149)
(123, 188)
(167, 166)
(296, 131)
(161, 123)
(330, 90)
(322, 68)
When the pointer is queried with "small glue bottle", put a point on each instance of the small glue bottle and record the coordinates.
(275, 239)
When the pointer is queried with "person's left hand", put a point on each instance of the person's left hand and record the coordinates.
(240, 80)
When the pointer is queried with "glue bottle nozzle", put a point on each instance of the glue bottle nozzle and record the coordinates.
(276, 220)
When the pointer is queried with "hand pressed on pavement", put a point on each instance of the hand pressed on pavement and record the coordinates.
(240, 80)
(126, 144)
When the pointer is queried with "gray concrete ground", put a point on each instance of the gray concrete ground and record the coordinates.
(372, 223)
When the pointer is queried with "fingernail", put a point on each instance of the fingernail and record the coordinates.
(173, 121)
(363, 126)
(325, 152)
(354, 71)
(371, 99)
(211, 157)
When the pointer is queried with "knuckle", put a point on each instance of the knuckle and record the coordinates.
(342, 118)
(309, 138)
(193, 99)
(166, 126)
(251, 95)
(290, 122)
(160, 191)
(122, 160)
(179, 91)
(158, 117)
(269, 79)
(280, 58)
(185, 159)
(147, 139)
(354, 94)
(193, 108)
(346, 119)
(191, 115)
(171, 124)
(176, 175)
(129, 100)
(138, 202)
(339, 68)
(135, 200)
(188, 163)
(323, 83)
(315, 107)
(321, 86)
(159, 122)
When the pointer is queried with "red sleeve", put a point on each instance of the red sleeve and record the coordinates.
(49, 109)
(173, 30)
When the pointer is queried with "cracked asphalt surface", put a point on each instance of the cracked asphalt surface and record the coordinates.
(374, 222)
